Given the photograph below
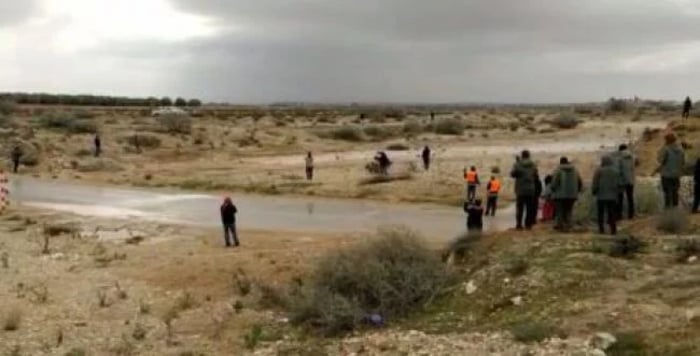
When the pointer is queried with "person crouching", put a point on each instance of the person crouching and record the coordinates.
(475, 216)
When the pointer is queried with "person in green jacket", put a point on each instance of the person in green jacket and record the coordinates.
(671, 160)
(566, 186)
(625, 163)
(606, 187)
(525, 174)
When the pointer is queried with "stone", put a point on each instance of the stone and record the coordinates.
(602, 341)
(692, 259)
(470, 287)
(517, 300)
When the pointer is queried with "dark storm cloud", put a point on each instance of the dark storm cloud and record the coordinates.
(447, 50)
(13, 12)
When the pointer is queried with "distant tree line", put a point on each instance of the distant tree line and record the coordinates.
(95, 100)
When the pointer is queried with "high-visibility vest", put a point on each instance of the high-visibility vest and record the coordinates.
(470, 177)
(494, 186)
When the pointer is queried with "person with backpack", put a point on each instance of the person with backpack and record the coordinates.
(228, 219)
(671, 160)
(606, 187)
(525, 173)
(566, 186)
(493, 187)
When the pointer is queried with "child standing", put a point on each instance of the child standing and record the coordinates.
(475, 216)
(548, 206)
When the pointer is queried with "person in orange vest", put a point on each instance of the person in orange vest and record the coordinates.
(492, 189)
(472, 180)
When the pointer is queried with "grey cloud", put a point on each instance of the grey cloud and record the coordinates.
(15, 12)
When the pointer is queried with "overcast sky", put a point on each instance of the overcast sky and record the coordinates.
(354, 50)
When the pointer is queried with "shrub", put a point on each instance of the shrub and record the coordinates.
(140, 141)
(687, 248)
(450, 127)
(674, 221)
(616, 105)
(175, 123)
(397, 147)
(7, 107)
(624, 246)
(530, 331)
(565, 121)
(76, 352)
(84, 114)
(67, 122)
(346, 133)
(11, 319)
(648, 199)
(377, 132)
(412, 127)
(391, 275)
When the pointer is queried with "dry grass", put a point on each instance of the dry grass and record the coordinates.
(11, 319)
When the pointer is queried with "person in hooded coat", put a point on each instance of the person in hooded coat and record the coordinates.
(228, 219)
(625, 162)
(687, 106)
(525, 173)
(566, 186)
(671, 160)
(606, 186)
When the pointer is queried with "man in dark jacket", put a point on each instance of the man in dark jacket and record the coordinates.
(566, 186)
(425, 155)
(671, 160)
(607, 182)
(98, 145)
(228, 219)
(475, 216)
(16, 157)
(525, 174)
(625, 163)
(687, 106)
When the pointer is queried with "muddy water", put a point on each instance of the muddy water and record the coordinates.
(256, 212)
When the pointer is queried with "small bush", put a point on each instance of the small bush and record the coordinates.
(392, 275)
(346, 133)
(76, 351)
(412, 127)
(517, 266)
(377, 133)
(175, 124)
(84, 114)
(11, 319)
(626, 246)
(140, 141)
(687, 248)
(531, 332)
(83, 127)
(628, 344)
(616, 105)
(252, 337)
(450, 127)
(673, 221)
(7, 107)
(566, 121)
(397, 147)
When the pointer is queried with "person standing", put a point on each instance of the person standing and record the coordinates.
(548, 205)
(425, 156)
(309, 161)
(671, 160)
(626, 163)
(16, 157)
(98, 145)
(566, 186)
(493, 187)
(475, 214)
(228, 219)
(471, 177)
(687, 106)
(606, 187)
(525, 173)
(4, 192)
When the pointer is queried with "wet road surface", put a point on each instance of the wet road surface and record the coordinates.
(255, 212)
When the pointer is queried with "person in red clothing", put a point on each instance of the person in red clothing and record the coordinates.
(548, 206)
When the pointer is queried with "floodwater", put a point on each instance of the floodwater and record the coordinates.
(255, 212)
